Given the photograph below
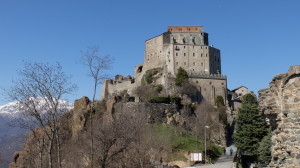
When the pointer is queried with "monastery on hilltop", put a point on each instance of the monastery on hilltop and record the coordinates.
(180, 46)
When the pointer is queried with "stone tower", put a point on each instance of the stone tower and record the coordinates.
(179, 46)
(182, 46)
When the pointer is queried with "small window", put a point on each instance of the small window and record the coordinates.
(206, 55)
(210, 83)
(194, 63)
(201, 63)
(176, 54)
(201, 54)
(196, 81)
(184, 63)
(193, 54)
(183, 46)
(184, 54)
(222, 83)
(176, 63)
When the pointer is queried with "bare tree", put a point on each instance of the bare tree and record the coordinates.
(39, 92)
(97, 66)
(114, 140)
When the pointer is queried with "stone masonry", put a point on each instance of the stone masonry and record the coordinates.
(281, 105)
(180, 46)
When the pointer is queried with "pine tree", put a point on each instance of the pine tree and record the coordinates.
(250, 126)
(264, 150)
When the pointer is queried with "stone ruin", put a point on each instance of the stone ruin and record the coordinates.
(281, 105)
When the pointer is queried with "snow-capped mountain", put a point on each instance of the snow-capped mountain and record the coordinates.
(13, 109)
(12, 138)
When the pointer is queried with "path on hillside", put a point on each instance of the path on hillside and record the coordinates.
(225, 161)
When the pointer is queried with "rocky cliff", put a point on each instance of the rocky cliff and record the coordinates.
(75, 135)
(281, 105)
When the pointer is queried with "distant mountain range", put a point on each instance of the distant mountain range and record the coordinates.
(12, 138)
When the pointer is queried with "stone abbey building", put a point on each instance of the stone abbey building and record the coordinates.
(180, 46)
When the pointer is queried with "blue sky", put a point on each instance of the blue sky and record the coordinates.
(257, 39)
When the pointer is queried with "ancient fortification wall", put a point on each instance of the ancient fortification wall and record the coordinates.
(281, 104)
(180, 46)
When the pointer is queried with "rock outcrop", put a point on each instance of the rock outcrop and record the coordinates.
(281, 105)
(79, 115)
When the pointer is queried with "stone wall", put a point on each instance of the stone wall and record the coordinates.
(210, 87)
(281, 105)
(180, 46)
(113, 87)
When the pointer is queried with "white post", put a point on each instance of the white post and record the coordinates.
(205, 143)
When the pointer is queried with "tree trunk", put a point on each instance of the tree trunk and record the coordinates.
(58, 149)
(50, 151)
(91, 124)
(41, 151)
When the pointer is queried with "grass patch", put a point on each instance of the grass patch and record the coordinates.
(179, 140)
(176, 157)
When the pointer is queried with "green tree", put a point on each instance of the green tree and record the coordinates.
(250, 127)
(219, 101)
(264, 149)
(181, 76)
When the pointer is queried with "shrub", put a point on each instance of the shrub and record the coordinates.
(160, 100)
(148, 78)
(149, 75)
(175, 99)
(159, 88)
(181, 76)
(222, 114)
(219, 101)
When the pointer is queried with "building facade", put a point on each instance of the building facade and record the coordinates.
(186, 47)
(182, 46)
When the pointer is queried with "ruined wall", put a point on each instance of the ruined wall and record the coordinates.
(281, 104)
(113, 87)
